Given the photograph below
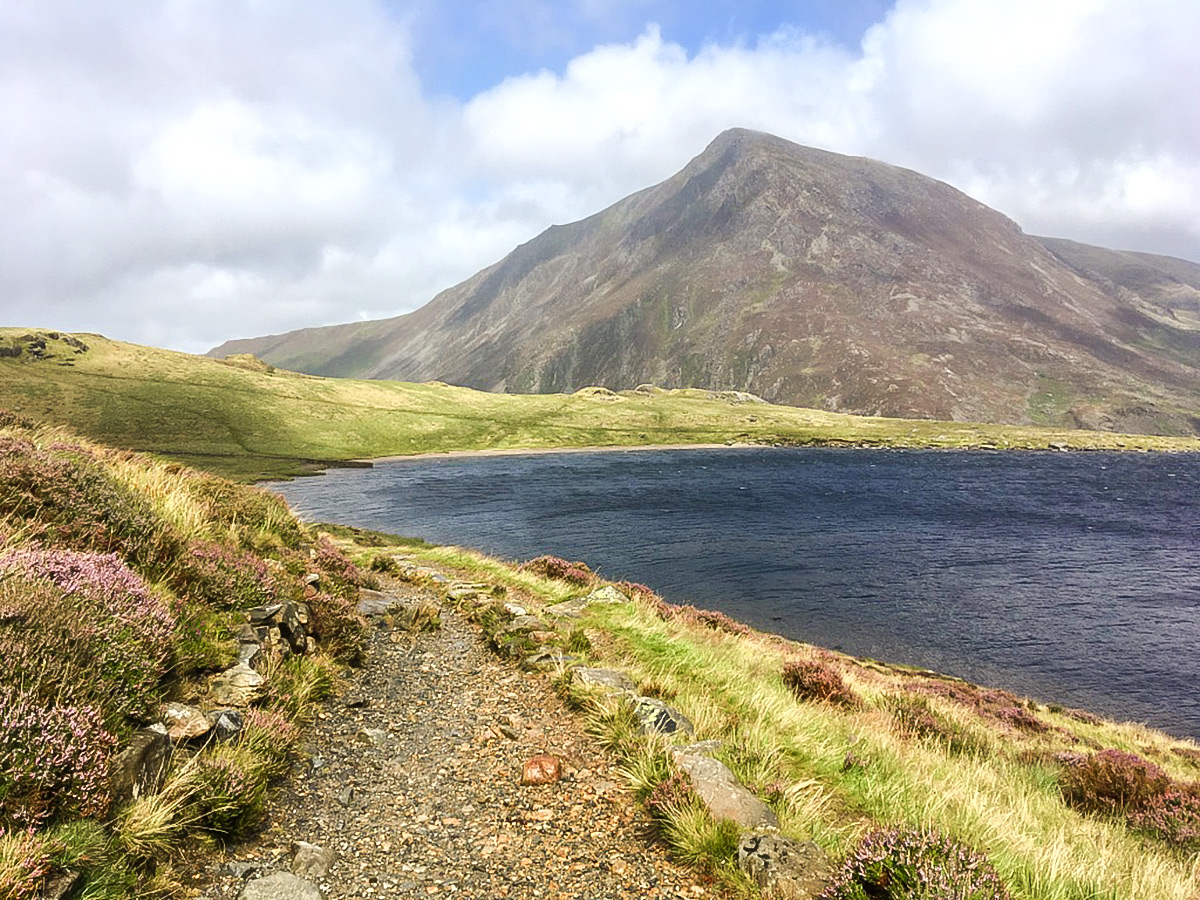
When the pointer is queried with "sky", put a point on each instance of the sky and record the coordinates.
(181, 172)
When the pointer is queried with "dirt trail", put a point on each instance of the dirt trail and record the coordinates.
(415, 782)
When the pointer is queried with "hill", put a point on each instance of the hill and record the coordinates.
(812, 279)
(247, 419)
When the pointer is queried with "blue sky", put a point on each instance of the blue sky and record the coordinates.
(462, 47)
(181, 172)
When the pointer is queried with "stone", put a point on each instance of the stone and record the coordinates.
(608, 680)
(226, 723)
(239, 685)
(574, 608)
(541, 769)
(655, 716)
(293, 625)
(248, 652)
(525, 624)
(375, 603)
(721, 792)
(549, 659)
(185, 722)
(377, 737)
(280, 886)
(788, 869)
(141, 768)
(59, 885)
(311, 861)
(262, 614)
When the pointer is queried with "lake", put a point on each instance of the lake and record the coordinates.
(1069, 577)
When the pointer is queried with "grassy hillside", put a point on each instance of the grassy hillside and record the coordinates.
(247, 420)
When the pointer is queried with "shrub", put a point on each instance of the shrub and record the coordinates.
(68, 500)
(338, 625)
(717, 621)
(1172, 816)
(812, 680)
(53, 761)
(83, 628)
(26, 859)
(231, 792)
(223, 576)
(916, 718)
(272, 739)
(1112, 782)
(900, 864)
(340, 576)
(555, 567)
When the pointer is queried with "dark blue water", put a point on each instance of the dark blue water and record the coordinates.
(1073, 578)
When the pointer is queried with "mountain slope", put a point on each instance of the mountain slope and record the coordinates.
(808, 278)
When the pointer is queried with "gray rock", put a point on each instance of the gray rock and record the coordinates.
(788, 869)
(311, 861)
(140, 769)
(248, 652)
(720, 791)
(375, 603)
(185, 722)
(377, 737)
(280, 886)
(262, 614)
(226, 723)
(237, 686)
(60, 885)
(549, 658)
(608, 680)
(656, 716)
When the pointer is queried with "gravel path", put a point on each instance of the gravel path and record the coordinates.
(415, 782)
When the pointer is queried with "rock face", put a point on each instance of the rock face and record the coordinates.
(141, 767)
(806, 278)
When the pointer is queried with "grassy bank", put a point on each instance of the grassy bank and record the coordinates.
(1064, 805)
(122, 587)
(246, 420)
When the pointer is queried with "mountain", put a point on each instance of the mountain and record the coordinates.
(808, 278)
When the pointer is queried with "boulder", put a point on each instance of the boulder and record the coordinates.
(280, 886)
(574, 608)
(375, 603)
(310, 860)
(721, 792)
(185, 722)
(239, 685)
(784, 868)
(141, 768)
(607, 680)
(655, 716)
(226, 723)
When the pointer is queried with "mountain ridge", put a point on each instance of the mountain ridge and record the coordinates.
(813, 279)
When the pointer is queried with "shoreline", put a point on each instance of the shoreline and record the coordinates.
(555, 451)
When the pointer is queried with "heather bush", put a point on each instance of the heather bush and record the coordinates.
(223, 576)
(1112, 782)
(670, 796)
(26, 858)
(813, 680)
(53, 761)
(999, 706)
(337, 624)
(916, 718)
(67, 500)
(555, 567)
(905, 864)
(1172, 817)
(272, 739)
(231, 792)
(717, 621)
(89, 622)
(339, 575)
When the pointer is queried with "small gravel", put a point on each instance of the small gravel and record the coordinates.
(415, 781)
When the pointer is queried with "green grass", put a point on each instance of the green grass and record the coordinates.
(248, 421)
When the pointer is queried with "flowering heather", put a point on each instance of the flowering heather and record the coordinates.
(556, 567)
(1112, 781)
(717, 621)
(68, 501)
(103, 582)
(339, 627)
(53, 761)
(905, 864)
(223, 576)
(272, 737)
(1172, 816)
(670, 795)
(811, 680)
(26, 859)
(999, 706)
(231, 800)
(343, 576)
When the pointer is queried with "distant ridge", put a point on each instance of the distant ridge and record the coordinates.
(808, 278)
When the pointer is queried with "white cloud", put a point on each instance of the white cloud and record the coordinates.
(183, 172)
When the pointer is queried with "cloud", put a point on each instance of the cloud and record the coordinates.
(179, 173)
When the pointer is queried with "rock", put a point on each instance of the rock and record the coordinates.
(656, 716)
(312, 579)
(185, 722)
(377, 737)
(260, 615)
(723, 795)
(248, 651)
(239, 685)
(575, 607)
(525, 624)
(141, 768)
(543, 769)
(226, 723)
(549, 658)
(59, 885)
(608, 680)
(375, 603)
(311, 861)
(788, 869)
(293, 625)
(280, 886)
